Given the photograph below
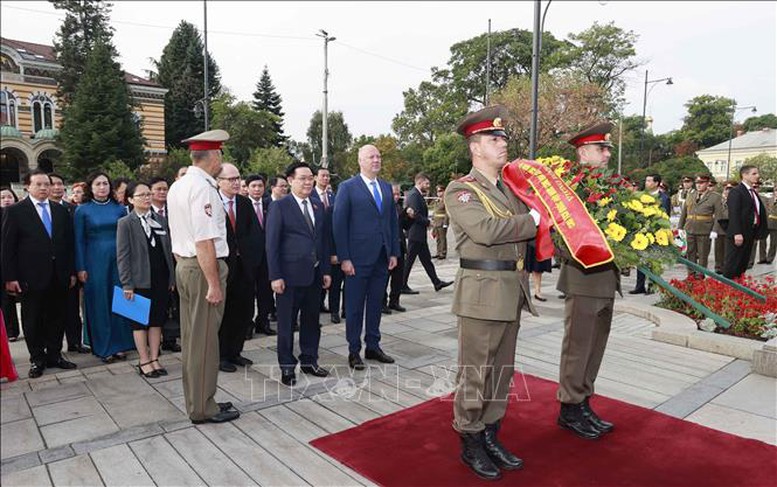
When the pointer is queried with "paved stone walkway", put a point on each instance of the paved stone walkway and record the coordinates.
(105, 425)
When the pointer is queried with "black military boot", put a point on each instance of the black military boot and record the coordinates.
(594, 419)
(475, 457)
(497, 452)
(571, 417)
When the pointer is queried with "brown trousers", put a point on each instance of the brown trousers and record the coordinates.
(200, 322)
(441, 236)
(486, 367)
(698, 249)
(720, 252)
(587, 324)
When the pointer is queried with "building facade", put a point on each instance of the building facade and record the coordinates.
(740, 148)
(31, 114)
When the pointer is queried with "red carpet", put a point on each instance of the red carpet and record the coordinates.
(417, 447)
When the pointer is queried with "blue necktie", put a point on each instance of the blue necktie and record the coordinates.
(45, 217)
(376, 195)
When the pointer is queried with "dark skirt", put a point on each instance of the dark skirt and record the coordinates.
(159, 293)
(531, 261)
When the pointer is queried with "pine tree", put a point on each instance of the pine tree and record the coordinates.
(181, 71)
(86, 22)
(268, 100)
(99, 127)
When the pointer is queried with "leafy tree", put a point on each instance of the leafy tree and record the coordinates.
(338, 135)
(672, 170)
(86, 23)
(117, 169)
(302, 151)
(181, 70)
(248, 129)
(99, 126)
(752, 124)
(268, 161)
(447, 158)
(603, 54)
(431, 110)
(767, 167)
(168, 166)
(708, 121)
(267, 99)
(394, 165)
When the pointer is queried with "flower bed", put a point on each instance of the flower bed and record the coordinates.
(749, 317)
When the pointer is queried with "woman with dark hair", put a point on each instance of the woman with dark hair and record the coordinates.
(145, 260)
(8, 303)
(95, 237)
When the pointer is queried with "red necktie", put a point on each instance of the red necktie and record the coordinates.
(162, 212)
(757, 207)
(258, 209)
(325, 199)
(231, 213)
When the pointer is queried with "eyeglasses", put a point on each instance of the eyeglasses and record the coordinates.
(142, 195)
(231, 180)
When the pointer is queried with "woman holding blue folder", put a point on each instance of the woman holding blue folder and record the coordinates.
(145, 260)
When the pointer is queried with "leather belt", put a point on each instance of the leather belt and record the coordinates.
(703, 218)
(491, 265)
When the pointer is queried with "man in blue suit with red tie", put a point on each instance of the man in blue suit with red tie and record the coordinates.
(298, 263)
(367, 242)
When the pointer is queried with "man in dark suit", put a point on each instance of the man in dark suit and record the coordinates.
(243, 262)
(298, 259)
(417, 244)
(324, 194)
(652, 183)
(367, 241)
(37, 256)
(747, 222)
(397, 274)
(265, 304)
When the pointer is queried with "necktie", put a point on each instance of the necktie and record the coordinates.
(231, 213)
(45, 217)
(325, 199)
(147, 229)
(757, 207)
(162, 212)
(306, 214)
(376, 195)
(259, 215)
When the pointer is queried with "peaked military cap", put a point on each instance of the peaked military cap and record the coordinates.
(595, 134)
(488, 120)
(210, 140)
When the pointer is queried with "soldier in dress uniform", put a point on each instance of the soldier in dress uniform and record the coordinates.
(491, 227)
(697, 217)
(588, 308)
(719, 231)
(680, 197)
(198, 232)
(440, 224)
(772, 210)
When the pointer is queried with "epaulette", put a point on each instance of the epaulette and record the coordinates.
(466, 179)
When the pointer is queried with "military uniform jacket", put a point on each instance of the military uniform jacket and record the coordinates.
(699, 213)
(440, 215)
(597, 282)
(483, 235)
(717, 227)
(772, 210)
(679, 198)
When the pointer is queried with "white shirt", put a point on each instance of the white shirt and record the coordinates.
(302, 209)
(369, 182)
(193, 213)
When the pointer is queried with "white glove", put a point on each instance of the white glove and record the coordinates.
(713, 235)
(681, 233)
(535, 215)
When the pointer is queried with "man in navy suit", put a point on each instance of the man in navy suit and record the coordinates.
(366, 237)
(298, 261)
(327, 198)
(37, 256)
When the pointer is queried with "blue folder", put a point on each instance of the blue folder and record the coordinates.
(137, 310)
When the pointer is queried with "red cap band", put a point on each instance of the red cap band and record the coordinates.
(481, 127)
(591, 139)
(204, 145)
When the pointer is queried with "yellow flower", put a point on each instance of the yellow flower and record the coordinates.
(664, 215)
(611, 215)
(662, 237)
(615, 231)
(646, 198)
(640, 242)
(649, 210)
(635, 205)
(651, 238)
(604, 202)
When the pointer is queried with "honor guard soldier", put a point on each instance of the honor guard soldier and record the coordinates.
(680, 197)
(197, 222)
(491, 227)
(440, 223)
(588, 307)
(698, 215)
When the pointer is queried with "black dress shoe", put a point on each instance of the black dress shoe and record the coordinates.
(442, 284)
(266, 330)
(355, 361)
(500, 455)
(763, 261)
(79, 349)
(225, 406)
(407, 290)
(334, 318)
(594, 419)
(171, 347)
(572, 418)
(273, 317)
(397, 307)
(36, 370)
(474, 455)
(241, 361)
(61, 364)
(250, 334)
(288, 379)
(314, 370)
(220, 417)
(638, 291)
(226, 366)
(385, 310)
(378, 355)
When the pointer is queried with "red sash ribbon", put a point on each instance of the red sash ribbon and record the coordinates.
(559, 207)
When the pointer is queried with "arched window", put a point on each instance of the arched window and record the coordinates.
(42, 113)
(7, 108)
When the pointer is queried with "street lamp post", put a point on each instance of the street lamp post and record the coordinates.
(205, 97)
(324, 140)
(644, 107)
(539, 25)
(734, 109)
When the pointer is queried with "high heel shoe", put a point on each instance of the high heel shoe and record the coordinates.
(540, 298)
(149, 375)
(161, 371)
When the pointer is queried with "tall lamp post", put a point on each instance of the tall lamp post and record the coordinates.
(205, 97)
(734, 109)
(324, 140)
(539, 26)
(644, 107)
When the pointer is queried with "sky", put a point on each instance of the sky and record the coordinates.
(725, 48)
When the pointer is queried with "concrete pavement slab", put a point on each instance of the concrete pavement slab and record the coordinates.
(163, 463)
(736, 422)
(756, 394)
(20, 437)
(118, 466)
(35, 476)
(76, 472)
